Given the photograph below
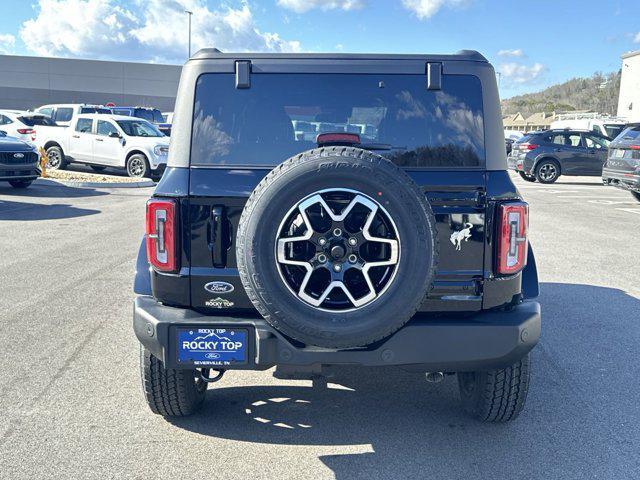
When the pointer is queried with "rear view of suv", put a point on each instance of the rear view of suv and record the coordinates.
(393, 237)
(622, 169)
(545, 156)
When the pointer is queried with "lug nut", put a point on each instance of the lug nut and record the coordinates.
(337, 232)
(322, 241)
(352, 241)
(337, 267)
(353, 258)
(322, 258)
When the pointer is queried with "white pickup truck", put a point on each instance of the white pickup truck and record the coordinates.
(101, 141)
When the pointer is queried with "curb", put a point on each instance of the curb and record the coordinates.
(68, 183)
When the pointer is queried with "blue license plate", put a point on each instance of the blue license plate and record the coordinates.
(212, 346)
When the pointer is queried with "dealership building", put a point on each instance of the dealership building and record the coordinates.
(28, 82)
(629, 100)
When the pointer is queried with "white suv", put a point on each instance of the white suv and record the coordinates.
(107, 141)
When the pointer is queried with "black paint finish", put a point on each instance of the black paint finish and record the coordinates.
(210, 212)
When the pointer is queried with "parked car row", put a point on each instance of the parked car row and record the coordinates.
(546, 155)
(133, 138)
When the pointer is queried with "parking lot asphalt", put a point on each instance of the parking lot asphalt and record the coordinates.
(69, 381)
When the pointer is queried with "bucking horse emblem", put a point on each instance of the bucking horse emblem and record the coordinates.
(464, 234)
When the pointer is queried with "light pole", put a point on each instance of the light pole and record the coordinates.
(188, 12)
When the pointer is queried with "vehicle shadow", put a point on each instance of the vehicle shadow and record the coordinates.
(49, 190)
(25, 211)
(581, 419)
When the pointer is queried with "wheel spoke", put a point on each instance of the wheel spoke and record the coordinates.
(340, 248)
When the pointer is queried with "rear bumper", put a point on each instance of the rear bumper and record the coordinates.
(488, 340)
(621, 179)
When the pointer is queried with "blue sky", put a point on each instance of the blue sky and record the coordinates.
(533, 44)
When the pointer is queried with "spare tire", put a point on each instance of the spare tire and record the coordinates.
(337, 247)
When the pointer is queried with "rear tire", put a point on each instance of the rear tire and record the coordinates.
(20, 183)
(547, 171)
(636, 195)
(527, 178)
(170, 392)
(496, 395)
(56, 158)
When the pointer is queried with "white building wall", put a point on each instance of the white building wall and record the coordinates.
(28, 82)
(629, 100)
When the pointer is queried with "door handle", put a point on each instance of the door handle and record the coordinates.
(99, 140)
(219, 236)
(75, 136)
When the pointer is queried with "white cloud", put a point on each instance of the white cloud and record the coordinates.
(511, 53)
(7, 42)
(636, 38)
(518, 74)
(424, 9)
(302, 6)
(154, 30)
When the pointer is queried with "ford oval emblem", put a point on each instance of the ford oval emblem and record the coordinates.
(18, 155)
(219, 287)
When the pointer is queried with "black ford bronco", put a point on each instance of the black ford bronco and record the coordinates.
(327, 209)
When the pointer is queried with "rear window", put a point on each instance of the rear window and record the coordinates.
(281, 115)
(630, 133)
(33, 121)
(149, 114)
(612, 131)
(64, 114)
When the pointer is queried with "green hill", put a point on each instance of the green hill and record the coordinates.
(598, 93)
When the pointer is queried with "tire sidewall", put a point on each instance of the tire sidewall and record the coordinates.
(547, 162)
(527, 178)
(292, 316)
(137, 156)
(62, 164)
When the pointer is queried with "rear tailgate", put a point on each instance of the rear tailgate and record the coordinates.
(624, 151)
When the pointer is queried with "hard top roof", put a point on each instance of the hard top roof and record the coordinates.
(462, 55)
(102, 116)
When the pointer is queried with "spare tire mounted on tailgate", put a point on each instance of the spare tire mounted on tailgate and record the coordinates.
(337, 247)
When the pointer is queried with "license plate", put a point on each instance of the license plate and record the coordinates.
(213, 346)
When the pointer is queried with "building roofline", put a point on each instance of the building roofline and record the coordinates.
(630, 54)
(39, 58)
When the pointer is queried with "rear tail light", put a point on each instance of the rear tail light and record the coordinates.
(528, 146)
(26, 131)
(635, 147)
(512, 237)
(161, 232)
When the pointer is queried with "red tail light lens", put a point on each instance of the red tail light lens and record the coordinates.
(162, 234)
(328, 138)
(25, 131)
(512, 237)
(528, 146)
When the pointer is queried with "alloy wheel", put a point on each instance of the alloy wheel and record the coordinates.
(337, 250)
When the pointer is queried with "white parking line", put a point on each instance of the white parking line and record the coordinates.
(630, 210)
